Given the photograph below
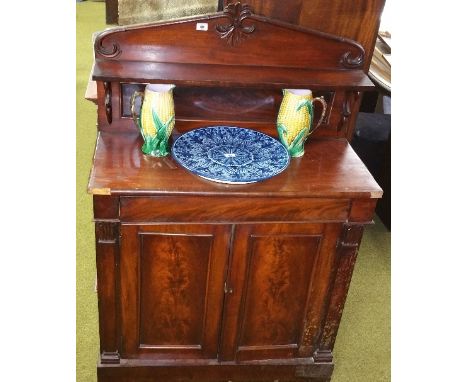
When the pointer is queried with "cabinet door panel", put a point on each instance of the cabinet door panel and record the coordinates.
(172, 289)
(277, 282)
(279, 279)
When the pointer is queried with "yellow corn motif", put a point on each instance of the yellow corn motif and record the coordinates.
(163, 105)
(294, 119)
(156, 119)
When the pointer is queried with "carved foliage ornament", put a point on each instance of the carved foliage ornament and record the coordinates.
(235, 30)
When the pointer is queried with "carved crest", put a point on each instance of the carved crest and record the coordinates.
(235, 31)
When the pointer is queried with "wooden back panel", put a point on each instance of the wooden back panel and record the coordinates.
(244, 107)
(230, 73)
(358, 20)
(354, 19)
(235, 37)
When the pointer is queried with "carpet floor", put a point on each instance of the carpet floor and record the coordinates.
(362, 350)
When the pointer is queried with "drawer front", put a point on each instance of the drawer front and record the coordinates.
(238, 209)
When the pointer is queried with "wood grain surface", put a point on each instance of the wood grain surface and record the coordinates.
(329, 168)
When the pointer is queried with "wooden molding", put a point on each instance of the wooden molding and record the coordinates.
(323, 356)
(110, 357)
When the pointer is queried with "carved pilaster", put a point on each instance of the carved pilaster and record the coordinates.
(347, 248)
(107, 262)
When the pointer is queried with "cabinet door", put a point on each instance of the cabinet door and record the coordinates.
(172, 280)
(277, 285)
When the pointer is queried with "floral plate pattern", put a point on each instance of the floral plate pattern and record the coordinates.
(232, 155)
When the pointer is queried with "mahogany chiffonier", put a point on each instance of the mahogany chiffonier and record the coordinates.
(204, 281)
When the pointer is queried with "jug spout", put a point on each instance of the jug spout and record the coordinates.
(160, 88)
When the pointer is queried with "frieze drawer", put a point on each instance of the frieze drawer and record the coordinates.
(231, 209)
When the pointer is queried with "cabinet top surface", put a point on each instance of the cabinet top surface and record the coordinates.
(329, 168)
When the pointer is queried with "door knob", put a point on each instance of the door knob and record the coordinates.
(227, 289)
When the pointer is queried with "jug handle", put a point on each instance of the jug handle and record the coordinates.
(132, 107)
(322, 117)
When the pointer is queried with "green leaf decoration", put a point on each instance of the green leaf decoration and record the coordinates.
(298, 139)
(310, 109)
(297, 151)
(282, 132)
(158, 123)
(158, 145)
(307, 103)
(168, 123)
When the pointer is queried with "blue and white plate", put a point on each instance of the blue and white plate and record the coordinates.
(231, 155)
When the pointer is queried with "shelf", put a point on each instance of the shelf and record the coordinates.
(329, 168)
(231, 76)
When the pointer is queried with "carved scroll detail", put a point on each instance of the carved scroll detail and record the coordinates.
(108, 52)
(234, 32)
(348, 61)
(108, 101)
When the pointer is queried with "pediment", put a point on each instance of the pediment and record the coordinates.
(235, 37)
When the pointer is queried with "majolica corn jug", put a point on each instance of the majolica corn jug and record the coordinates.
(295, 118)
(156, 119)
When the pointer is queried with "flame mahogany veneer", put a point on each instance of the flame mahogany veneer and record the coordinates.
(213, 282)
